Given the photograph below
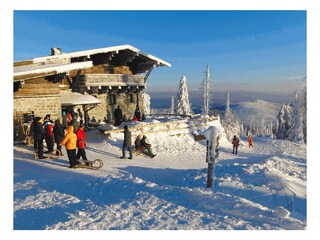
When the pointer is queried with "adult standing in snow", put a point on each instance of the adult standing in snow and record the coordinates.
(70, 140)
(250, 140)
(58, 133)
(38, 136)
(48, 129)
(137, 113)
(235, 143)
(81, 143)
(118, 116)
(147, 146)
(126, 142)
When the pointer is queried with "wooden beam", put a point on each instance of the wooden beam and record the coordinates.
(22, 63)
(32, 76)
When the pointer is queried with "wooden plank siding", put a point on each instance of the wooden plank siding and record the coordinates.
(112, 80)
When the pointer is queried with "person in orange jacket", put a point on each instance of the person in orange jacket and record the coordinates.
(250, 140)
(70, 140)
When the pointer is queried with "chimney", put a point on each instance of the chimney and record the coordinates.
(55, 51)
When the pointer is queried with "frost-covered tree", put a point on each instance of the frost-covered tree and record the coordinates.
(206, 94)
(146, 103)
(172, 105)
(283, 121)
(183, 104)
(291, 121)
(295, 133)
(230, 122)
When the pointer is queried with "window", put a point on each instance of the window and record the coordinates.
(112, 99)
(130, 98)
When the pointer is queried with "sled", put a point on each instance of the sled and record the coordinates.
(94, 164)
(138, 152)
(48, 156)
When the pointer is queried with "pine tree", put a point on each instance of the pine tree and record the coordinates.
(230, 122)
(295, 132)
(283, 121)
(206, 93)
(183, 105)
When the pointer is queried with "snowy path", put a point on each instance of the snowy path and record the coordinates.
(252, 190)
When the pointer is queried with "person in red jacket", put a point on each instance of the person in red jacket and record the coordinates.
(48, 129)
(81, 142)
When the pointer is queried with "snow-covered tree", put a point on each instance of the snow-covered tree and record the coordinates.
(295, 133)
(230, 122)
(172, 105)
(283, 121)
(183, 104)
(206, 95)
(146, 103)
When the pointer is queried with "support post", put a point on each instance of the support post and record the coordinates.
(210, 159)
(210, 175)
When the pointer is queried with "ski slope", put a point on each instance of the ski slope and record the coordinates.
(263, 188)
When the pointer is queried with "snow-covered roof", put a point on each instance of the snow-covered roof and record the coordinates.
(23, 71)
(115, 49)
(72, 98)
(123, 55)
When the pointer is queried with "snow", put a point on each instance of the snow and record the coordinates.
(259, 188)
(101, 50)
(59, 68)
(255, 111)
(74, 98)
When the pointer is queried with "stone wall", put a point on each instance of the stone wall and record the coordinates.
(40, 105)
(106, 109)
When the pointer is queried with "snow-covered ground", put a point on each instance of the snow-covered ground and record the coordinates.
(259, 188)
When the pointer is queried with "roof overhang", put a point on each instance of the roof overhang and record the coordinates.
(114, 49)
(72, 99)
(32, 71)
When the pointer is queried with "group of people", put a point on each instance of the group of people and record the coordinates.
(73, 136)
(140, 144)
(120, 117)
(236, 141)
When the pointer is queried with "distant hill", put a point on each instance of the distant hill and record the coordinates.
(163, 99)
(256, 111)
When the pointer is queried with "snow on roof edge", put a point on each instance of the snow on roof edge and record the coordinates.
(59, 68)
(100, 50)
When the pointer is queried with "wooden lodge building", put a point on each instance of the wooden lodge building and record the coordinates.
(96, 81)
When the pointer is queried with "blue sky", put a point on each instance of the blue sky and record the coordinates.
(246, 50)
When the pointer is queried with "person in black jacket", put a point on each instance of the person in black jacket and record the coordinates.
(126, 143)
(137, 114)
(118, 116)
(38, 136)
(58, 133)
